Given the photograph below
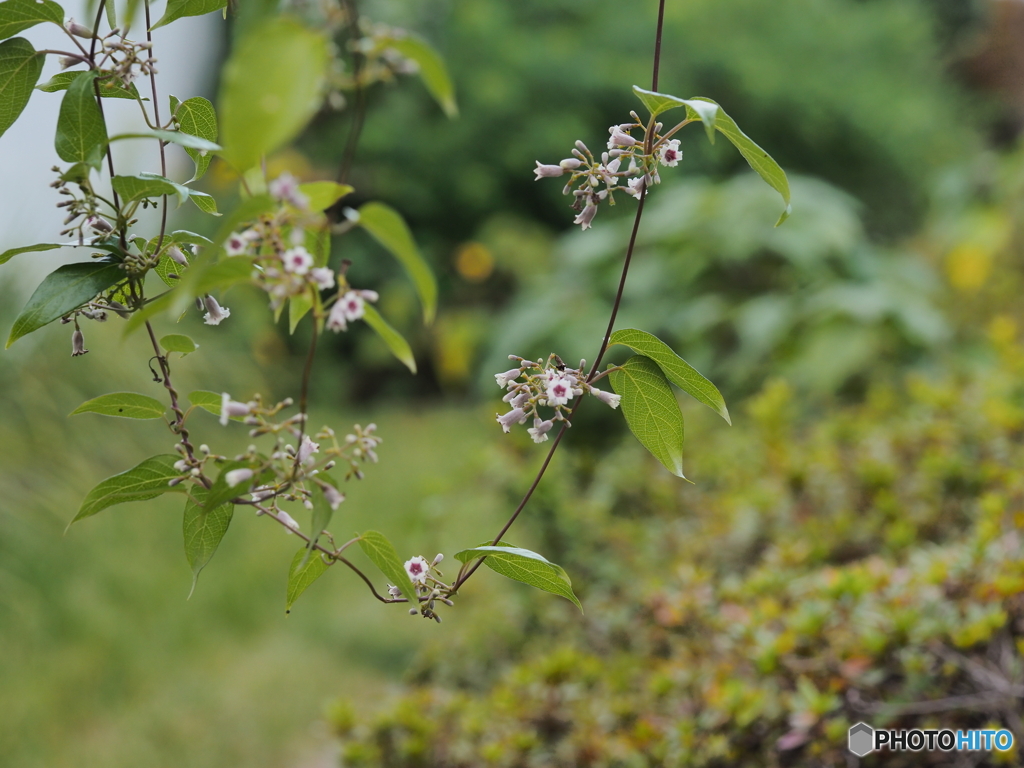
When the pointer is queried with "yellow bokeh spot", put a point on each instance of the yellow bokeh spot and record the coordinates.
(968, 267)
(1002, 330)
(474, 262)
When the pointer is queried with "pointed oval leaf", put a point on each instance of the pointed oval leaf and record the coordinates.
(322, 514)
(651, 410)
(109, 89)
(203, 531)
(81, 131)
(177, 9)
(433, 71)
(524, 566)
(126, 405)
(19, 15)
(323, 194)
(677, 370)
(197, 117)
(143, 186)
(388, 228)
(270, 88)
(145, 481)
(375, 545)
(20, 67)
(38, 247)
(62, 291)
(178, 342)
(191, 238)
(303, 572)
(209, 401)
(204, 202)
(396, 342)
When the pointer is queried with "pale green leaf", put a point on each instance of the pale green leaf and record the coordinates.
(191, 238)
(109, 89)
(20, 67)
(204, 202)
(19, 15)
(388, 228)
(209, 401)
(197, 117)
(145, 481)
(318, 243)
(375, 545)
(396, 342)
(181, 138)
(223, 274)
(323, 194)
(524, 566)
(271, 86)
(126, 405)
(322, 514)
(302, 572)
(677, 370)
(203, 530)
(177, 342)
(81, 131)
(432, 69)
(177, 9)
(298, 307)
(64, 290)
(651, 410)
(8, 255)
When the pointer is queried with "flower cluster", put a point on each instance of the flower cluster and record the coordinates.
(630, 165)
(547, 384)
(429, 589)
(121, 61)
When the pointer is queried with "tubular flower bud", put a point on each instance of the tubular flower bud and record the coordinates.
(586, 216)
(237, 476)
(288, 520)
(333, 495)
(78, 344)
(515, 416)
(78, 30)
(520, 400)
(608, 398)
(581, 146)
(570, 163)
(229, 408)
(215, 313)
(504, 378)
(539, 430)
(548, 171)
(620, 138)
(306, 449)
(174, 254)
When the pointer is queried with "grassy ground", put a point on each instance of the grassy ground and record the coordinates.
(106, 664)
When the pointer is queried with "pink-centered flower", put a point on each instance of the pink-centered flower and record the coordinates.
(323, 277)
(417, 568)
(297, 261)
(286, 188)
(559, 390)
(670, 154)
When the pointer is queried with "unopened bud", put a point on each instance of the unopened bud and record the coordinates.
(174, 254)
(78, 30)
(581, 146)
(570, 163)
(78, 343)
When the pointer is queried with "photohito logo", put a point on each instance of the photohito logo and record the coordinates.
(863, 740)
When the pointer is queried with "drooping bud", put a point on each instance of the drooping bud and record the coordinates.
(215, 313)
(78, 343)
(539, 430)
(288, 520)
(515, 416)
(607, 398)
(586, 216)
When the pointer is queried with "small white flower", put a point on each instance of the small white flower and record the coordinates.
(78, 344)
(237, 476)
(620, 138)
(635, 187)
(181, 466)
(229, 408)
(336, 319)
(306, 449)
(539, 430)
(515, 416)
(504, 378)
(559, 390)
(333, 495)
(670, 154)
(586, 216)
(520, 400)
(286, 188)
(607, 398)
(288, 520)
(262, 493)
(349, 307)
(323, 277)
(236, 244)
(394, 591)
(215, 313)
(548, 171)
(174, 254)
(297, 261)
(417, 568)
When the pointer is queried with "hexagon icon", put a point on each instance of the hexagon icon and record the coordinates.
(862, 739)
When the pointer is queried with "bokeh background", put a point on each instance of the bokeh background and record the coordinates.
(848, 550)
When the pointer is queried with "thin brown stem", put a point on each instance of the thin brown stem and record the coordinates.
(359, 93)
(307, 374)
(156, 119)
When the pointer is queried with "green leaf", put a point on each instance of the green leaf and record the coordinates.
(81, 131)
(223, 274)
(298, 307)
(432, 69)
(322, 514)
(144, 185)
(8, 255)
(204, 202)
(318, 243)
(303, 572)
(375, 545)
(19, 15)
(209, 401)
(270, 88)
(713, 116)
(145, 481)
(221, 492)
(109, 89)
(176, 9)
(388, 228)
(62, 291)
(191, 238)
(651, 410)
(177, 342)
(524, 566)
(197, 117)
(396, 343)
(174, 137)
(20, 67)
(127, 405)
(677, 370)
(203, 530)
(323, 194)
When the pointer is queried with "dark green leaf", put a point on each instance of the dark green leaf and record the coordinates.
(203, 530)
(177, 342)
(127, 405)
(524, 566)
(678, 371)
(301, 576)
(432, 69)
(109, 88)
(396, 343)
(81, 132)
(388, 228)
(20, 67)
(270, 88)
(145, 481)
(197, 117)
(651, 410)
(19, 15)
(176, 9)
(375, 545)
(62, 291)
(8, 255)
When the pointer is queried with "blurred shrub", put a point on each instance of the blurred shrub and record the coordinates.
(867, 566)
